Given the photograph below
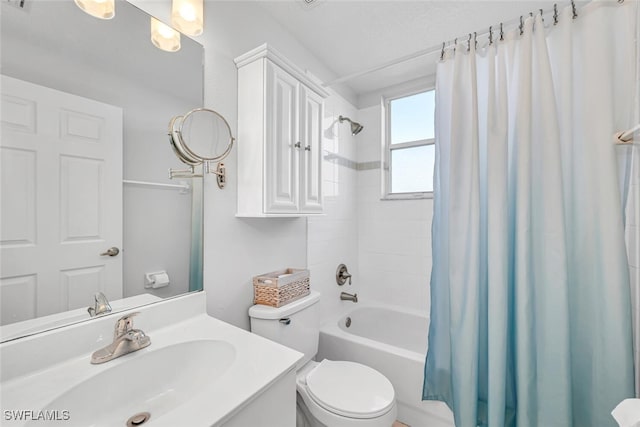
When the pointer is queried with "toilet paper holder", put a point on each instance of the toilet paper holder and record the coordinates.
(158, 279)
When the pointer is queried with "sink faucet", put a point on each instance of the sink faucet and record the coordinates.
(125, 340)
(101, 305)
(348, 297)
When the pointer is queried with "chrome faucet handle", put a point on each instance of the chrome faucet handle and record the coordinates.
(342, 274)
(347, 276)
(101, 305)
(124, 325)
(126, 340)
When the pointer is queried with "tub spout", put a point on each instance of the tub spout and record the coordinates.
(344, 296)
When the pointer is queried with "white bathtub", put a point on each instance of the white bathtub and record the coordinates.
(393, 341)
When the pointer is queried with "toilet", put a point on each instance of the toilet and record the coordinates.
(331, 393)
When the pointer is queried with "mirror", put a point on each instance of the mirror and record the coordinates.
(201, 135)
(85, 103)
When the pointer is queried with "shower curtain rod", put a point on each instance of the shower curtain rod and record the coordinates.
(440, 47)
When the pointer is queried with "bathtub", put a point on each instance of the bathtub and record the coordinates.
(392, 340)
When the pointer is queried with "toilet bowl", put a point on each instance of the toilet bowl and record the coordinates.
(330, 393)
(344, 394)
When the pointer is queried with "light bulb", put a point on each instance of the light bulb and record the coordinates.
(187, 16)
(164, 37)
(103, 9)
(165, 31)
(188, 12)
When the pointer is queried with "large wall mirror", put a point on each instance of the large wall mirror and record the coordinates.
(86, 202)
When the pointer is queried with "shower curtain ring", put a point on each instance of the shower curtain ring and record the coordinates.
(469, 43)
(555, 14)
(573, 9)
(521, 25)
(501, 33)
(490, 35)
(542, 15)
(442, 53)
(475, 40)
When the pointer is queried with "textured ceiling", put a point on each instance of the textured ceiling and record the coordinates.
(352, 36)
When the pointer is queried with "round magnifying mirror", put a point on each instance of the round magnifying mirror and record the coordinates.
(176, 144)
(204, 135)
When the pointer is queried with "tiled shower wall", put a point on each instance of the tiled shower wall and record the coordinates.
(394, 253)
(332, 238)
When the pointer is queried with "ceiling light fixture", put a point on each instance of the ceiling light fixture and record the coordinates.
(164, 37)
(103, 9)
(187, 16)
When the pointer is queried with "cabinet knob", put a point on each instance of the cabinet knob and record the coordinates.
(307, 148)
(297, 144)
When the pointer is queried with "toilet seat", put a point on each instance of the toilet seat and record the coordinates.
(350, 389)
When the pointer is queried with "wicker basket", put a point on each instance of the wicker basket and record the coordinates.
(281, 287)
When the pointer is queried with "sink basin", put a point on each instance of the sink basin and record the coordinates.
(154, 381)
(198, 372)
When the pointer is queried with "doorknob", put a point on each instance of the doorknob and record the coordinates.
(113, 251)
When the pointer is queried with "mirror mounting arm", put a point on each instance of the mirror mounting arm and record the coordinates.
(220, 172)
(183, 173)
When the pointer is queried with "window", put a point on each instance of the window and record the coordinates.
(409, 145)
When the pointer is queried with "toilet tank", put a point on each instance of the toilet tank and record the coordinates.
(296, 325)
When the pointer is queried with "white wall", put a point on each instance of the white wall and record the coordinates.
(237, 249)
(394, 252)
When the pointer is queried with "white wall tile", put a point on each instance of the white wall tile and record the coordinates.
(394, 251)
(369, 142)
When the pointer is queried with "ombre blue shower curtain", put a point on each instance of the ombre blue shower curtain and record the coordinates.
(530, 300)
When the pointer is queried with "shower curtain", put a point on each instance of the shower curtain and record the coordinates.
(530, 302)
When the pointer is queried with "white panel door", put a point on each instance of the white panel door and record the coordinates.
(311, 114)
(282, 144)
(60, 200)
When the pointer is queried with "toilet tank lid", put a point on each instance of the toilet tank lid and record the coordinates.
(271, 313)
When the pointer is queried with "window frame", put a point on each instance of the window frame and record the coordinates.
(387, 147)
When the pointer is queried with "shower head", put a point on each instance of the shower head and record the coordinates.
(356, 127)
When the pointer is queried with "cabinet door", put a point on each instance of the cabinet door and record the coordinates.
(311, 114)
(282, 148)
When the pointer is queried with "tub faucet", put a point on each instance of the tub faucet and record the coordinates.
(125, 340)
(101, 305)
(348, 297)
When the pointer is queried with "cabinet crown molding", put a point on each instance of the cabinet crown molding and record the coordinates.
(266, 51)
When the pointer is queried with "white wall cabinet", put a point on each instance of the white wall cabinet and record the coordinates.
(280, 113)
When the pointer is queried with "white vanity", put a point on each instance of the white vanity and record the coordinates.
(198, 371)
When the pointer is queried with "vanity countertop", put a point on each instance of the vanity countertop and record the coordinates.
(256, 364)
